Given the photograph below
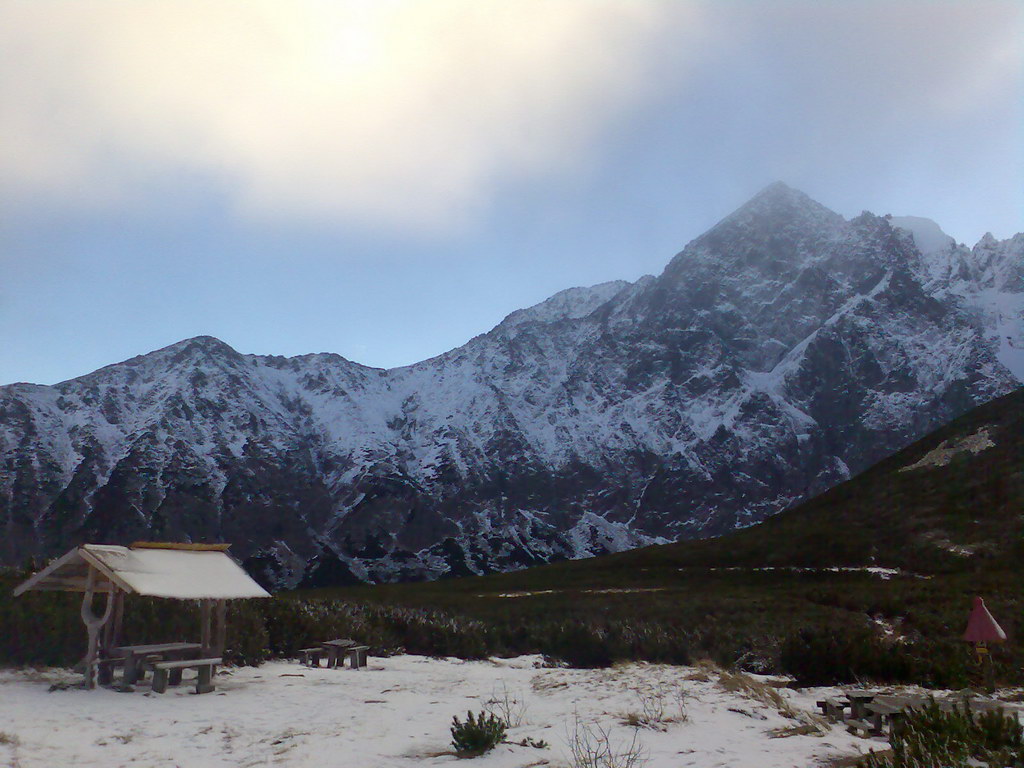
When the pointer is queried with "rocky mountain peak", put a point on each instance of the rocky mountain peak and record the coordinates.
(780, 228)
(200, 347)
(779, 207)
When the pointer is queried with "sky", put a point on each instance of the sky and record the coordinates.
(386, 179)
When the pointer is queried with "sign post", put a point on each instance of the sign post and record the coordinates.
(983, 629)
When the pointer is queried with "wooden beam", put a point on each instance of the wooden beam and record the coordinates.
(101, 567)
(31, 583)
(188, 546)
(70, 584)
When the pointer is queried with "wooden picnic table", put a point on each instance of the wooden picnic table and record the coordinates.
(875, 713)
(858, 702)
(335, 650)
(133, 656)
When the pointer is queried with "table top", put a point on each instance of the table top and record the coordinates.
(881, 708)
(860, 695)
(157, 648)
(339, 643)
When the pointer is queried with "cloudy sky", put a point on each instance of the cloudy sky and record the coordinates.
(385, 179)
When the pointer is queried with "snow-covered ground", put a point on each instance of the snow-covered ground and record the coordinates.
(398, 711)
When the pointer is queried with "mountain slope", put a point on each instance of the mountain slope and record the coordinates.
(949, 502)
(778, 354)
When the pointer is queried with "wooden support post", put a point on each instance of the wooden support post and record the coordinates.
(204, 626)
(115, 640)
(222, 628)
(111, 638)
(93, 625)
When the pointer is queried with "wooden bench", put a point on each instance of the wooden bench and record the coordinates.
(137, 658)
(105, 673)
(833, 709)
(311, 656)
(869, 727)
(356, 655)
(165, 672)
(886, 713)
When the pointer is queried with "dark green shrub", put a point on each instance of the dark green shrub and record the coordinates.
(292, 624)
(954, 739)
(480, 733)
(845, 654)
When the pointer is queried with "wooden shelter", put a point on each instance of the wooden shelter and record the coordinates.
(202, 572)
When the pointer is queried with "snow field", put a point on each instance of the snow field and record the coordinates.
(398, 712)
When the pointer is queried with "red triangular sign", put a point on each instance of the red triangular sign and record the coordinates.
(981, 627)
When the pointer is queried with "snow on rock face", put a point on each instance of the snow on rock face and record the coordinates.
(569, 304)
(928, 236)
(778, 353)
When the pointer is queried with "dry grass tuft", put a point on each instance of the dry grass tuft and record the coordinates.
(737, 682)
(767, 694)
(657, 709)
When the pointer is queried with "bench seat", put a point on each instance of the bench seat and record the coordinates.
(833, 709)
(356, 655)
(311, 656)
(165, 672)
(869, 728)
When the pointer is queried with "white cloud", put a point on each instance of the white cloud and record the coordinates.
(396, 112)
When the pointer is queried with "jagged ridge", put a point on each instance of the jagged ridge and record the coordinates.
(778, 353)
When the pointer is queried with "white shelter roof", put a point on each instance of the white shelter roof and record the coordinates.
(183, 572)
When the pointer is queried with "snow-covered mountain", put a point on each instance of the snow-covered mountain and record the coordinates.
(778, 353)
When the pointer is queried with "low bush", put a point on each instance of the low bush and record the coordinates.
(953, 739)
(478, 734)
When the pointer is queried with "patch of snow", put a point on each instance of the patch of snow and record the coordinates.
(522, 593)
(943, 453)
(883, 573)
(961, 550)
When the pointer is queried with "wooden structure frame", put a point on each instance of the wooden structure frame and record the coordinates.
(201, 572)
